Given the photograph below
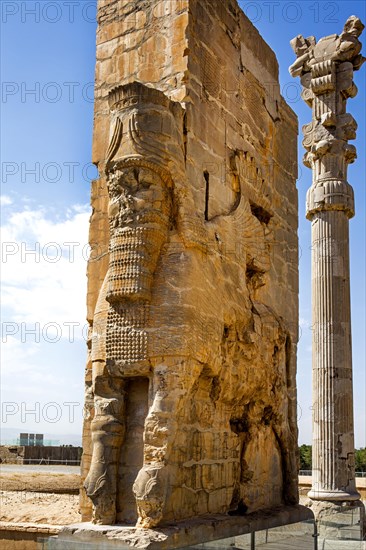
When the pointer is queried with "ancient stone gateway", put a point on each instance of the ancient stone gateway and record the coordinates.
(193, 277)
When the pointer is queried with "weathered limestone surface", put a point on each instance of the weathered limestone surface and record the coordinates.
(193, 281)
(185, 534)
(326, 69)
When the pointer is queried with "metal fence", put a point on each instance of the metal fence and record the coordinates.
(309, 473)
(50, 461)
(47, 461)
(17, 443)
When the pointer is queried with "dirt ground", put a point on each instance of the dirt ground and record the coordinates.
(39, 498)
(49, 508)
(40, 482)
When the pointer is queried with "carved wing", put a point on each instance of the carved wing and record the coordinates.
(116, 139)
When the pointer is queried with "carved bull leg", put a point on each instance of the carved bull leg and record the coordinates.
(107, 432)
(172, 384)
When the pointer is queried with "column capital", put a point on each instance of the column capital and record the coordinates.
(313, 56)
(330, 195)
(326, 69)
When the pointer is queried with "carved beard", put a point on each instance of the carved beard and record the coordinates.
(139, 212)
(134, 254)
(139, 221)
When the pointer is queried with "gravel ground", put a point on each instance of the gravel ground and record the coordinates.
(58, 469)
(49, 508)
(39, 494)
(40, 482)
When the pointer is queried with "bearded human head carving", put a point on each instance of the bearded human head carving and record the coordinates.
(139, 215)
(139, 190)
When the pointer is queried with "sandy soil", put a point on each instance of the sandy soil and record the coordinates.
(48, 508)
(34, 497)
(40, 482)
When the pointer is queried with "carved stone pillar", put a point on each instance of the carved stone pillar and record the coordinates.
(326, 71)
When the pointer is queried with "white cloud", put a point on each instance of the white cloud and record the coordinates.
(14, 353)
(304, 323)
(43, 291)
(44, 267)
(21, 371)
(36, 386)
(5, 200)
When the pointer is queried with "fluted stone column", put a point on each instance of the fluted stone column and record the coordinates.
(326, 70)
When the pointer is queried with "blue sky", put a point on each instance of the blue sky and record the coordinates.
(47, 120)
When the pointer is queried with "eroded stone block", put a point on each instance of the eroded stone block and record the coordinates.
(193, 304)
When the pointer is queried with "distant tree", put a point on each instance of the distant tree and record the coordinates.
(360, 460)
(305, 457)
(306, 460)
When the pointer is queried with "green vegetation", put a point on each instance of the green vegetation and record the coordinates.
(360, 460)
(305, 458)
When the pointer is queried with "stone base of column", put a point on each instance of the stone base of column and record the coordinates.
(183, 534)
(339, 520)
(333, 496)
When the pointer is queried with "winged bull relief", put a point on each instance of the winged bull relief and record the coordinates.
(190, 371)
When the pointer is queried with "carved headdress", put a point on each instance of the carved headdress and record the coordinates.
(147, 130)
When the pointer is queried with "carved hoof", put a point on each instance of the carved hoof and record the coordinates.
(148, 523)
(109, 519)
(150, 489)
(94, 486)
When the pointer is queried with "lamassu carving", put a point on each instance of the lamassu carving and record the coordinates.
(190, 370)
